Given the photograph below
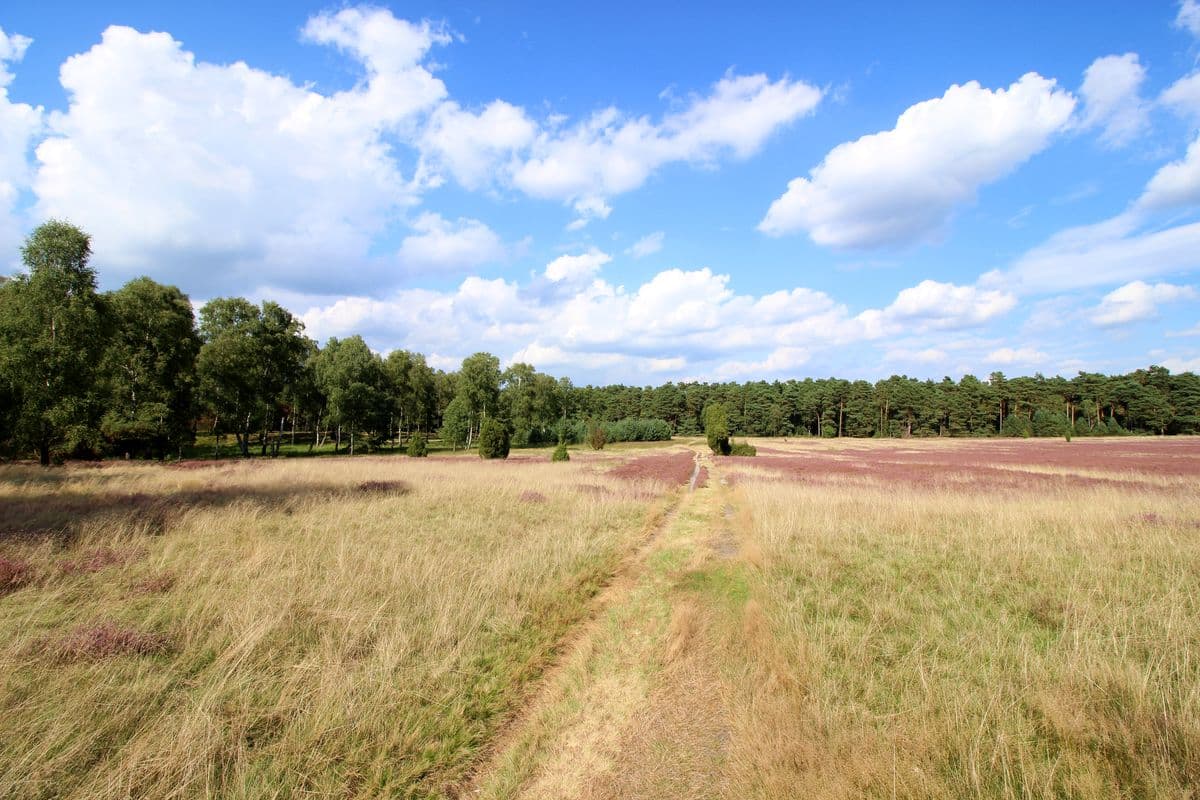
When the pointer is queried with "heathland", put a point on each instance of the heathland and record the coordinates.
(847, 618)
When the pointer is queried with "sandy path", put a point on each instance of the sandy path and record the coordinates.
(637, 707)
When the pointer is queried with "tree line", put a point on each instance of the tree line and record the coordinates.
(133, 372)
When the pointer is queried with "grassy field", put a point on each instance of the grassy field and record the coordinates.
(830, 619)
(335, 628)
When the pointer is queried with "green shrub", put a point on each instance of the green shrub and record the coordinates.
(1048, 423)
(418, 446)
(743, 449)
(1016, 425)
(560, 453)
(716, 428)
(597, 437)
(493, 439)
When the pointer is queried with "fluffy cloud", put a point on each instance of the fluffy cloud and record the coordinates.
(571, 269)
(941, 306)
(223, 177)
(192, 169)
(19, 124)
(609, 153)
(439, 244)
(1138, 301)
(475, 148)
(677, 323)
(1022, 355)
(1175, 184)
(648, 245)
(1183, 96)
(900, 185)
(1112, 100)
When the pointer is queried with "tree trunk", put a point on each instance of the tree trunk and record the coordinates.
(44, 453)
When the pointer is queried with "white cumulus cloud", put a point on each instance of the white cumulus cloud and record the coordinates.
(1137, 301)
(610, 153)
(576, 268)
(903, 184)
(439, 244)
(936, 305)
(1175, 184)
(20, 123)
(1112, 99)
(1020, 355)
(196, 170)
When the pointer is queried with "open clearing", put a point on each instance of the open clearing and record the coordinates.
(850, 618)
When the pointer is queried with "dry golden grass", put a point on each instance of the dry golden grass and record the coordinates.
(402, 628)
(332, 628)
(964, 644)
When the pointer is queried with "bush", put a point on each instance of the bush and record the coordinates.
(742, 449)
(1048, 423)
(418, 447)
(1017, 426)
(597, 437)
(632, 429)
(560, 453)
(716, 428)
(493, 439)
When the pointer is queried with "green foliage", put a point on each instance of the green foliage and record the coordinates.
(560, 453)
(493, 439)
(150, 370)
(533, 403)
(418, 446)
(1048, 423)
(54, 329)
(742, 449)
(716, 428)
(1016, 425)
(479, 384)
(355, 385)
(455, 423)
(597, 437)
(251, 358)
(413, 389)
(625, 430)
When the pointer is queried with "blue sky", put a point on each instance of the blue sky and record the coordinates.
(627, 194)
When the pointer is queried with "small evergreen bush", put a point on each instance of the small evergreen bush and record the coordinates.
(418, 446)
(560, 453)
(493, 439)
(597, 437)
(716, 429)
(743, 449)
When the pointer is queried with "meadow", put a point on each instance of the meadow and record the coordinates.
(832, 618)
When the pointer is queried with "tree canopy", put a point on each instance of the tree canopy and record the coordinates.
(133, 372)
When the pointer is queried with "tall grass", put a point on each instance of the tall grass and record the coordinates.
(955, 644)
(334, 629)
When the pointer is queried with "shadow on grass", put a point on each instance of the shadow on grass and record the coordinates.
(63, 515)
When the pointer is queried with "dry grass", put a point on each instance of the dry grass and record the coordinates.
(959, 643)
(413, 628)
(334, 628)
